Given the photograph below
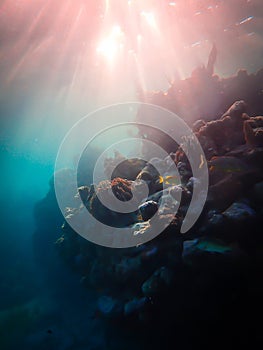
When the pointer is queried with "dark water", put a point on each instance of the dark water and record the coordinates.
(51, 75)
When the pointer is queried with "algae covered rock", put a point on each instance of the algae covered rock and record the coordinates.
(148, 209)
(122, 189)
(109, 306)
(161, 280)
(135, 306)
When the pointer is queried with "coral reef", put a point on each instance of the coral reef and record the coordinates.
(134, 281)
(202, 278)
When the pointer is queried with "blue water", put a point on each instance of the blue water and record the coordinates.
(42, 304)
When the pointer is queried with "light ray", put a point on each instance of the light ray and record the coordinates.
(111, 44)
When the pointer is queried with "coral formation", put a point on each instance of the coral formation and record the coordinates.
(150, 270)
(176, 278)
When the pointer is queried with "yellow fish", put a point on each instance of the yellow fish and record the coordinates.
(169, 180)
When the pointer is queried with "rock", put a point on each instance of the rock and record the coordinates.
(236, 110)
(122, 189)
(233, 147)
(229, 178)
(221, 167)
(197, 125)
(158, 282)
(224, 193)
(126, 268)
(109, 307)
(99, 274)
(128, 169)
(149, 253)
(253, 158)
(257, 193)
(213, 224)
(150, 175)
(239, 212)
(148, 209)
(215, 217)
(253, 130)
(184, 170)
(135, 306)
(84, 192)
(220, 136)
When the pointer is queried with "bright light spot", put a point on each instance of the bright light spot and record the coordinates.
(149, 17)
(172, 3)
(107, 48)
(111, 45)
(139, 37)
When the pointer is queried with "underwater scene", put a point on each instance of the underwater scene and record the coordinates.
(131, 140)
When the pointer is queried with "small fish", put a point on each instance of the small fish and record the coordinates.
(60, 240)
(206, 245)
(169, 180)
(247, 19)
(213, 246)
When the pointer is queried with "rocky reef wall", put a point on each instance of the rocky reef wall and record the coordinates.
(198, 286)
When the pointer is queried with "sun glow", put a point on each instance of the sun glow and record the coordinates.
(111, 45)
(60, 44)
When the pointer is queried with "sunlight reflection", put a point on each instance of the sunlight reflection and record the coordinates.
(112, 44)
(60, 45)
